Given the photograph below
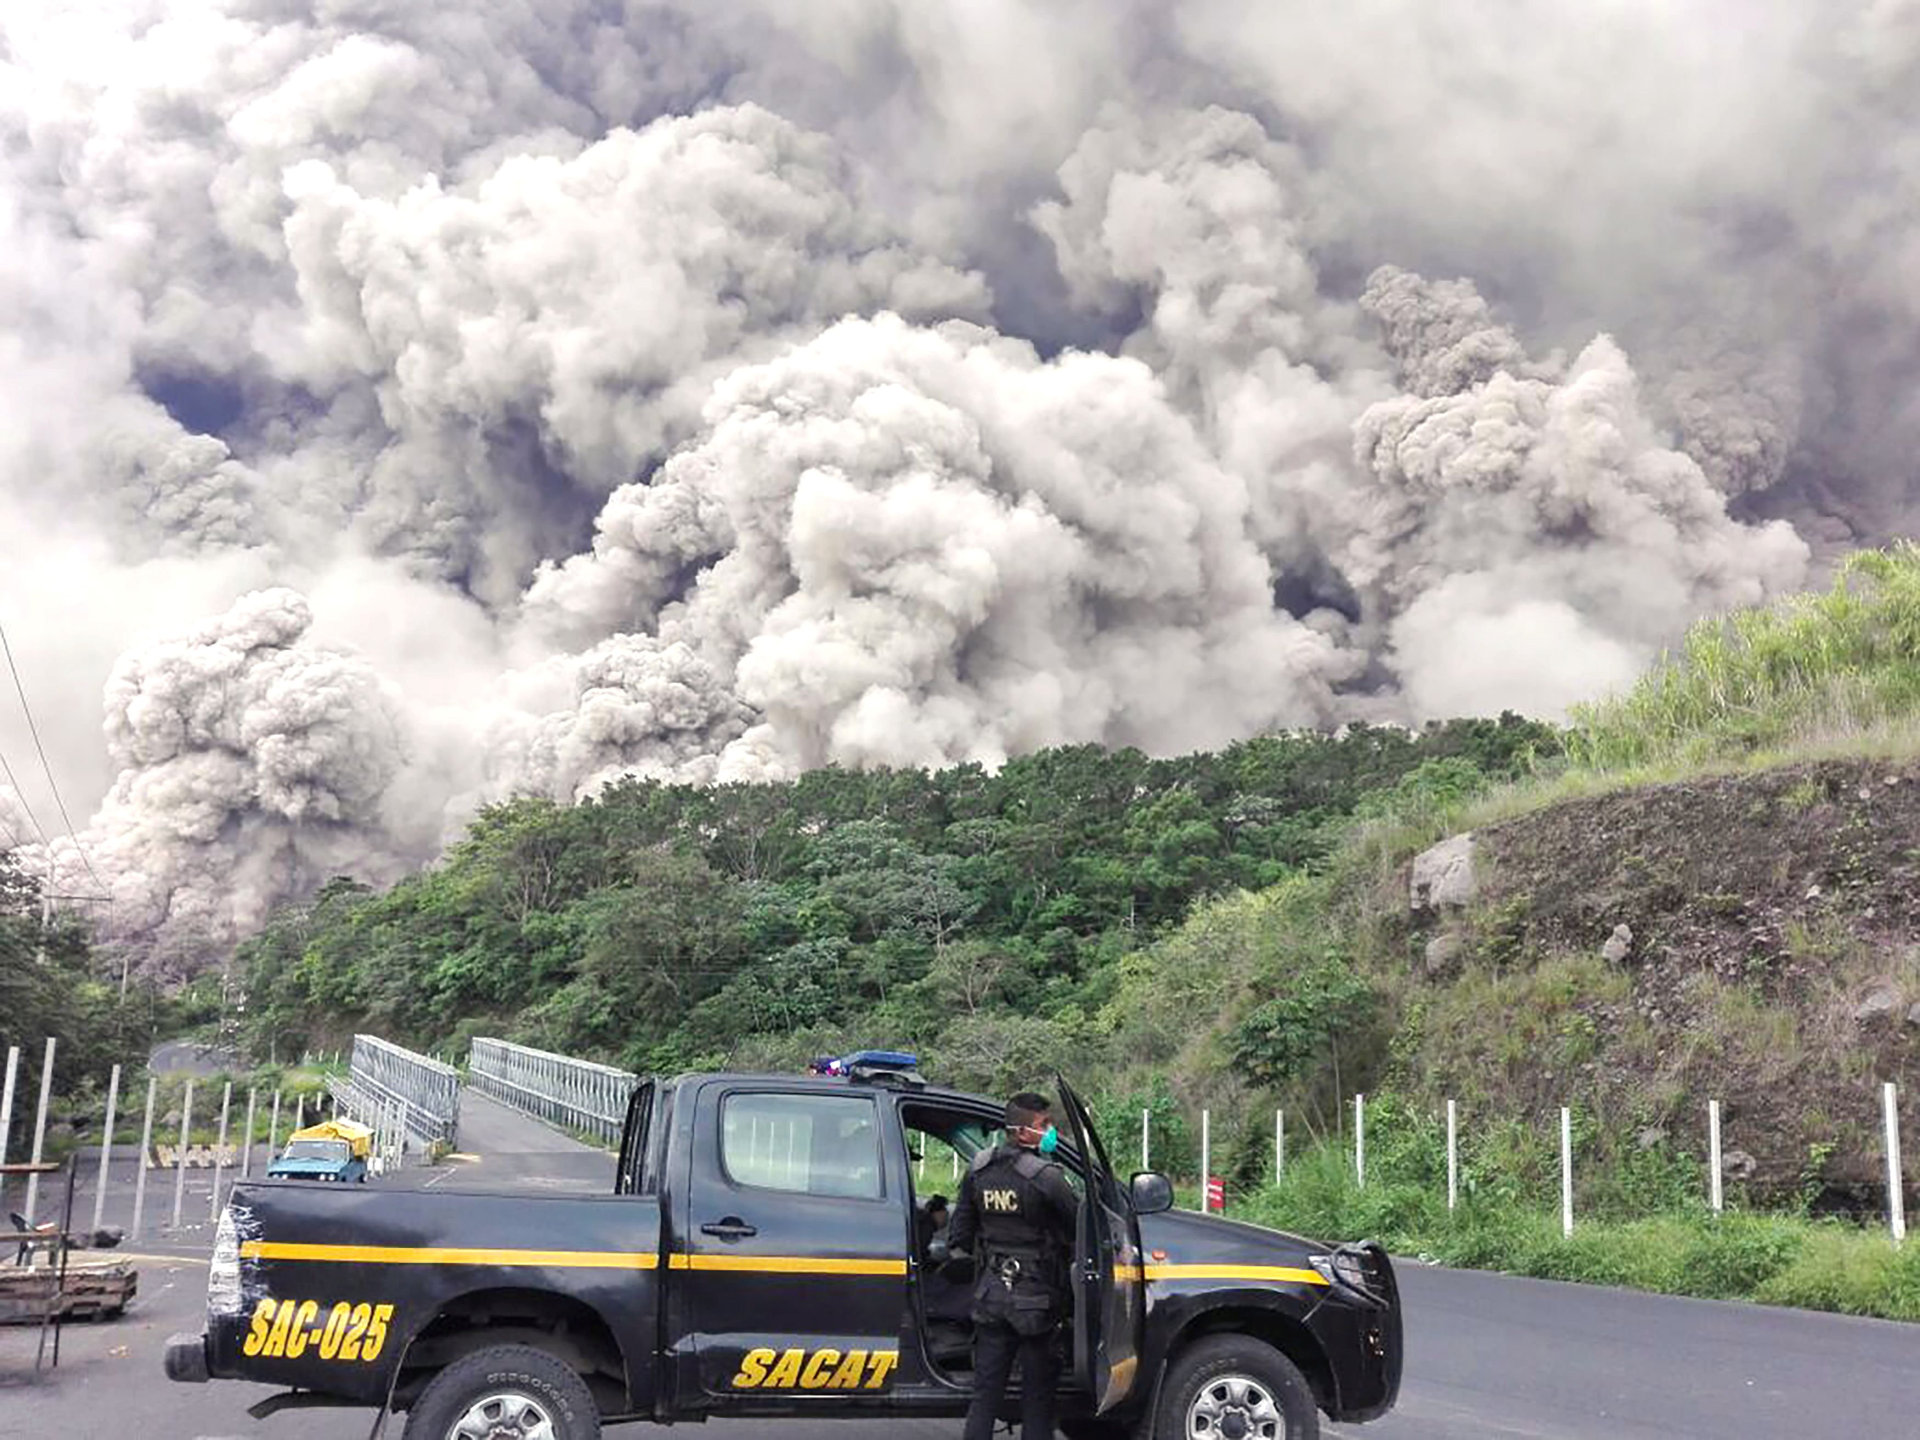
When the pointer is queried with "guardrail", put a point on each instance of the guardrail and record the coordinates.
(574, 1094)
(427, 1092)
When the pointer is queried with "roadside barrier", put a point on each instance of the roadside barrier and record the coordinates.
(1720, 1162)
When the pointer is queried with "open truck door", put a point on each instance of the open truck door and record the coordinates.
(629, 1174)
(1109, 1313)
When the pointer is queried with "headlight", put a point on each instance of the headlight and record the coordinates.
(1348, 1268)
(223, 1271)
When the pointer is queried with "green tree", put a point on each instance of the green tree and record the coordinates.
(655, 947)
(1292, 1035)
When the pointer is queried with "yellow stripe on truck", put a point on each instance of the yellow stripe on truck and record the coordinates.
(1283, 1274)
(440, 1255)
(568, 1259)
(788, 1265)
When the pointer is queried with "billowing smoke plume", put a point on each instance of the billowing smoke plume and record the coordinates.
(252, 764)
(1533, 537)
(403, 407)
(916, 545)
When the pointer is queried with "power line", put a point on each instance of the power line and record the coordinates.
(47, 769)
(21, 796)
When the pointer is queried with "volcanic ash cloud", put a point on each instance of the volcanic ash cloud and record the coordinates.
(252, 764)
(914, 545)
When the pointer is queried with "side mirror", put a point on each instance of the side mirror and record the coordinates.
(1152, 1193)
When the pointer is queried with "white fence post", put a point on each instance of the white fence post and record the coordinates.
(1714, 1195)
(1360, 1140)
(1206, 1155)
(246, 1140)
(1279, 1146)
(1453, 1155)
(106, 1149)
(6, 1099)
(140, 1172)
(1566, 1172)
(1896, 1197)
(273, 1131)
(220, 1150)
(1146, 1149)
(40, 1127)
(180, 1160)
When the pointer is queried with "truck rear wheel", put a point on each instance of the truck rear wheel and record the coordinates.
(510, 1392)
(1233, 1387)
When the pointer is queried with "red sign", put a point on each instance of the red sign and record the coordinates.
(1216, 1193)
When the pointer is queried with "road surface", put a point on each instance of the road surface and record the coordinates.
(1489, 1357)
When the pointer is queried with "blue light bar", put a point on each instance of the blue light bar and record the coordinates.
(900, 1061)
(882, 1060)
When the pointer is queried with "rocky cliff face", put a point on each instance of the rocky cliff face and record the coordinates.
(1750, 938)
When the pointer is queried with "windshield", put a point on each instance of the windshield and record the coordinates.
(317, 1150)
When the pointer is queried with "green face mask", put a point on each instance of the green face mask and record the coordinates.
(1049, 1140)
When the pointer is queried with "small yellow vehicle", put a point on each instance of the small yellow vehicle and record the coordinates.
(334, 1150)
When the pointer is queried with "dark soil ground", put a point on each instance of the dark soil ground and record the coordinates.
(1773, 963)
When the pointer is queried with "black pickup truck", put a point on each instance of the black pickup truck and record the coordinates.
(762, 1254)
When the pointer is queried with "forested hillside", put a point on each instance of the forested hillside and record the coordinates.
(55, 981)
(984, 918)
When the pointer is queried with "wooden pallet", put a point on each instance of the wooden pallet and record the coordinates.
(90, 1293)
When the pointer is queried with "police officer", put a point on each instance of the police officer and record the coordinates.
(1016, 1217)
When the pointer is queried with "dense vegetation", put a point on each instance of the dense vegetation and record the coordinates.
(54, 981)
(985, 918)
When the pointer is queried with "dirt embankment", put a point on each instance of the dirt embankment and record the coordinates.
(1753, 939)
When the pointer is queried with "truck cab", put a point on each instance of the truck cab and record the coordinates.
(320, 1159)
(766, 1250)
(333, 1150)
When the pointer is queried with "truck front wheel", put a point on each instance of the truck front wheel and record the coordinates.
(1233, 1387)
(508, 1391)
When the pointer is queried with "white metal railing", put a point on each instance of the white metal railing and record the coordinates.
(427, 1091)
(380, 1112)
(575, 1094)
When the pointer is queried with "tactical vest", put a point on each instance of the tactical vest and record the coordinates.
(1023, 1271)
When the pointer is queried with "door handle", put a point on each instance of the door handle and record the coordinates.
(731, 1228)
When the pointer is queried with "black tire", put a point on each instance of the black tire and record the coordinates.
(518, 1374)
(1230, 1369)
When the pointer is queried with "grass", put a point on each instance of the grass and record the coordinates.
(1683, 1250)
(1805, 670)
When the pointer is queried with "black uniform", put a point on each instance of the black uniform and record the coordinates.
(1016, 1217)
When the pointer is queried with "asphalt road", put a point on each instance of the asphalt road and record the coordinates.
(1488, 1357)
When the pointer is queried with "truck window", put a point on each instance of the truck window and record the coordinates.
(813, 1144)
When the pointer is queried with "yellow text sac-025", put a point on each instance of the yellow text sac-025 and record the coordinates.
(290, 1329)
